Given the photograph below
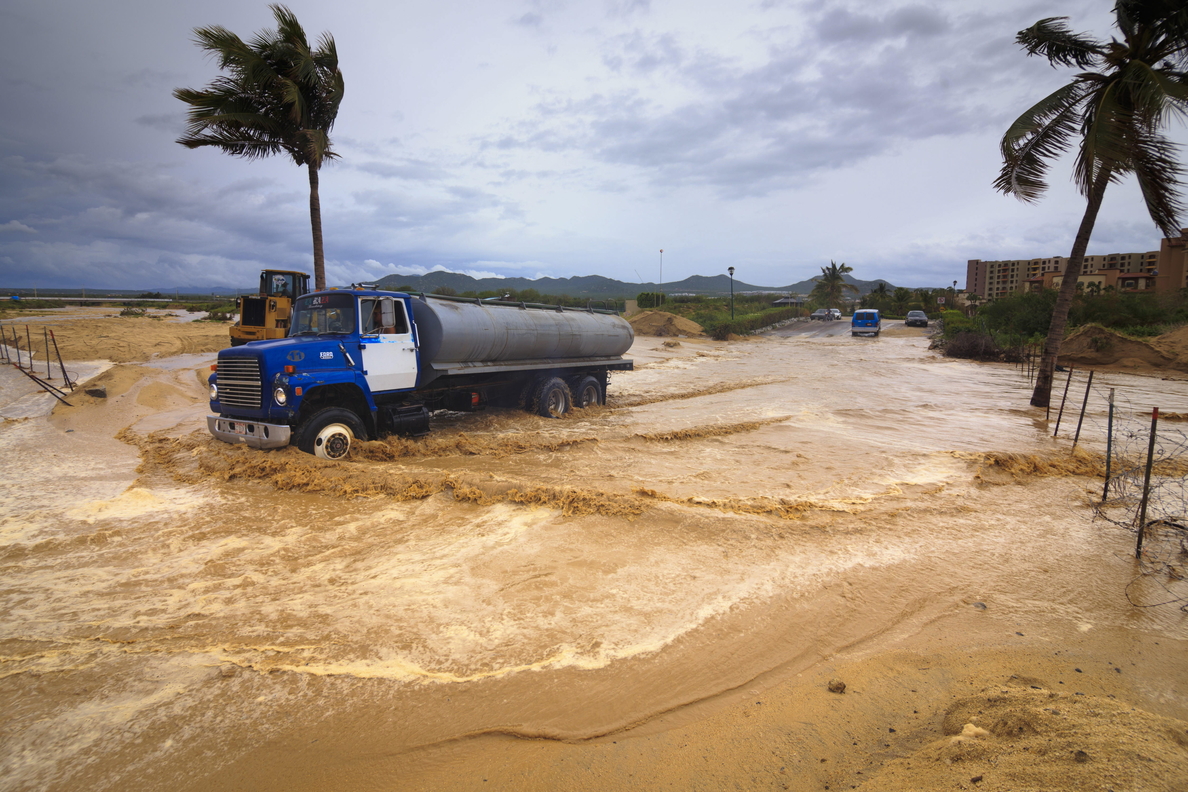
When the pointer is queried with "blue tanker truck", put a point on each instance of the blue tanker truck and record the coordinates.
(362, 363)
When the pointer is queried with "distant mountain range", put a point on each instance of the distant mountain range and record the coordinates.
(598, 287)
(593, 287)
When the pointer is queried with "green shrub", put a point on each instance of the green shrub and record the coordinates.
(745, 325)
(648, 300)
(956, 322)
(217, 316)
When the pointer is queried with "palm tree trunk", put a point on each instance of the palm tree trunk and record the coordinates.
(1042, 395)
(315, 220)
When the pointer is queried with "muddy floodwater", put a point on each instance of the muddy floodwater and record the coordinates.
(647, 593)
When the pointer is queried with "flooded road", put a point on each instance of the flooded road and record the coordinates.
(180, 613)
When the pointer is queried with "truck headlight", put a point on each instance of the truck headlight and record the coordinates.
(280, 396)
(214, 392)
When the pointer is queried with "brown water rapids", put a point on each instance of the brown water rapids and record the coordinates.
(173, 609)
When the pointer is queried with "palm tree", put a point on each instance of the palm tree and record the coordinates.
(1118, 111)
(901, 298)
(927, 299)
(972, 299)
(279, 95)
(878, 297)
(831, 287)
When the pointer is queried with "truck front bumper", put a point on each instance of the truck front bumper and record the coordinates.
(252, 433)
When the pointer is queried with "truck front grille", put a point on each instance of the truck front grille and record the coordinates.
(239, 382)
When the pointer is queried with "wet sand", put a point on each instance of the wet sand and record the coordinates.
(653, 594)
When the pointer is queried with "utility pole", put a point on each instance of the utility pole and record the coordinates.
(661, 277)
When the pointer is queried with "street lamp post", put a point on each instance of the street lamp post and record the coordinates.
(661, 277)
(731, 271)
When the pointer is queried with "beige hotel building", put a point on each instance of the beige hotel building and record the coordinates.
(1165, 269)
(990, 279)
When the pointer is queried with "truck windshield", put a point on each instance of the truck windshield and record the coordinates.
(324, 313)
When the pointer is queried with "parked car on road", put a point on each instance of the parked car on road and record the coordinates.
(916, 319)
(866, 321)
(822, 314)
(834, 313)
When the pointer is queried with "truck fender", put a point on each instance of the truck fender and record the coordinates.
(346, 396)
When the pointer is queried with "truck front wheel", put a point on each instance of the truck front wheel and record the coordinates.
(553, 398)
(328, 433)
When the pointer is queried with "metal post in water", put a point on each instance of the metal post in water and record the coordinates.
(1084, 404)
(61, 365)
(16, 344)
(1060, 414)
(1138, 548)
(1105, 489)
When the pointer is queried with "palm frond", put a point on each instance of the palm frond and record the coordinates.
(1105, 137)
(1158, 93)
(1167, 19)
(1053, 39)
(1042, 133)
(288, 28)
(1155, 163)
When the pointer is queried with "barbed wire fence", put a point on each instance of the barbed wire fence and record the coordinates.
(1145, 481)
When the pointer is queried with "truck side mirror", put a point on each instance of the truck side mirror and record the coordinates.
(387, 313)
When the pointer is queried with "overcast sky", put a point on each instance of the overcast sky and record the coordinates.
(544, 138)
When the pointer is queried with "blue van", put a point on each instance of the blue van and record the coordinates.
(865, 322)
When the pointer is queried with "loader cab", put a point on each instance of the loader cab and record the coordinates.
(284, 283)
(268, 313)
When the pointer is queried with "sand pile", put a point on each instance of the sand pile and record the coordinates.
(1029, 737)
(1174, 344)
(662, 323)
(1096, 346)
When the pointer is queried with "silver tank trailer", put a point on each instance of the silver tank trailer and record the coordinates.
(453, 331)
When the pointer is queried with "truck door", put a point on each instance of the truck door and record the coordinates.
(386, 343)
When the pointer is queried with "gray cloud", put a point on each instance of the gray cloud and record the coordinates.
(840, 24)
(806, 111)
(408, 169)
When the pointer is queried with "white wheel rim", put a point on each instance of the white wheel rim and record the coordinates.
(333, 442)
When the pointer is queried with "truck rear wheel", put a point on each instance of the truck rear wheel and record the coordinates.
(552, 399)
(328, 433)
(588, 393)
